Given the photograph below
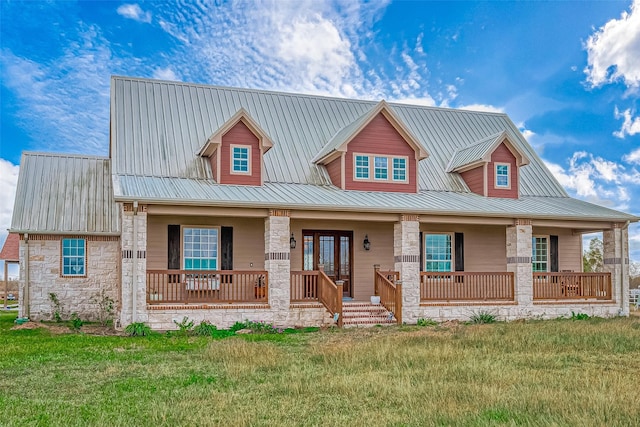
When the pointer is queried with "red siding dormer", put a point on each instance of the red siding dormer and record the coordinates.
(376, 152)
(235, 151)
(502, 156)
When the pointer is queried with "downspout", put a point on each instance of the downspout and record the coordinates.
(622, 259)
(134, 273)
(26, 312)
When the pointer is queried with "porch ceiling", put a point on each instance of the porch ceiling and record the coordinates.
(181, 191)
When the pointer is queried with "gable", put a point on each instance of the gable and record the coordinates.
(238, 137)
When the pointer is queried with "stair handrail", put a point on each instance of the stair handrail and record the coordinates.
(390, 294)
(330, 295)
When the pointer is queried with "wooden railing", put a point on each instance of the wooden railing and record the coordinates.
(202, 286)
(390, 293)
(466, 286)
(330, 294)
(565, 286)
(304, 286)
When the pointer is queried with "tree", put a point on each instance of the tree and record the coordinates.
(634, 275)
(592, 259)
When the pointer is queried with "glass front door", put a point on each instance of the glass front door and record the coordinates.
(332, 250)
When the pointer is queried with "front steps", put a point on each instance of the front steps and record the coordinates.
(362, 314)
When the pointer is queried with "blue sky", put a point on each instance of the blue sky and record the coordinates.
(567, 73)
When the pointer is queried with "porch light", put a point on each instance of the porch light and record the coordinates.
(366, 244)
(292, 242)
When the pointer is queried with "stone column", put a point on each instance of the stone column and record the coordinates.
(406, 253)
(277, 263)
(519, 253)
(616, 262)
(134, 264)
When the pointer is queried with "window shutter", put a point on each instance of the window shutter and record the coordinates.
(173, 254)
(553, 253)
(421, 252)
(226, 248)
(459, 251)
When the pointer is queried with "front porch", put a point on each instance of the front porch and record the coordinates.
(297, 271)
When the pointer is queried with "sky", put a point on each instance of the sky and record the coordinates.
(567, 73)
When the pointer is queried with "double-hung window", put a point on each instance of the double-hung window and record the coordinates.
(381, 168)
(362, 167)
(74, 258)
(540, 254)
(372, 167)
(438, 252)
(241, 159)
(200, 248)
(502, 176)
(399, 169)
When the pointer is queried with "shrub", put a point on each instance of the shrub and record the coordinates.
(76, 322)
(137, 329)
(579, 316)
(426, 322)
(205, 329)
(56, 307)
(185, 327)
(105, 308)
(482, 317)
(257, 327)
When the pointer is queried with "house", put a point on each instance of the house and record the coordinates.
(227, 204)
(9, 254)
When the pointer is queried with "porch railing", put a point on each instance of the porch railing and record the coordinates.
(390, 293)
(203, 286)
(564, 286)
(304, 286)
(330, 294)
(466, 286)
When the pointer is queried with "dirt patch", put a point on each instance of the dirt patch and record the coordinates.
(58, 329)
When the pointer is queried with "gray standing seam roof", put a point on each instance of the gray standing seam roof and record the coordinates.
(59, 193)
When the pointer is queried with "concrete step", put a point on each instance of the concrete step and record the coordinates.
(365, 314)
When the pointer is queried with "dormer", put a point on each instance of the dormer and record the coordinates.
(490, 167)
(376, 152)
(236, 151)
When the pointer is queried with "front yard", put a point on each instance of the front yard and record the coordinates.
(564, 372)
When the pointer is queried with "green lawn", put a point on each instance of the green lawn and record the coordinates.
(522, 373)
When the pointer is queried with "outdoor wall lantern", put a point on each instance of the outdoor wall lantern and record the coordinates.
(366, 244)
(292, 242)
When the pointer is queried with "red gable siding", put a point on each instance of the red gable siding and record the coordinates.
(241, 135)
(335, 171)
(475, 179)
(380, 137)
(502, 155)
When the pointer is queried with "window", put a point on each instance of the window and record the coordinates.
(308, 253)
(200, 248)
(502, 175)
(380, 168)
(540, 255)
(437, 252)
(73, 257)
(362, 167)
(240, 159)
(399, 169)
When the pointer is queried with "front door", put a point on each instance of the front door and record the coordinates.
(332, 249)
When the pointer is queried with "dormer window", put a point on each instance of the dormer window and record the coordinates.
(502, 175)
(399, 169)
(362, 167)
(380, 170)
(371, 167)
(241, 159)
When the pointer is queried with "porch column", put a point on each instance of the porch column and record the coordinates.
(519, 253)
(277, 263)
(406, 252)
(616, 262)
(133, 240)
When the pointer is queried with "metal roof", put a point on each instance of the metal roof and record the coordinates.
(472, 153)
(157, 127)
(60, 193)
(204, 192)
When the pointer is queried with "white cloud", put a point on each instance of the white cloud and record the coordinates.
(165, 74)
(614, 50)
(427, 101)
(630, 126)
(632, 157)
(133, 11)
(483, 108)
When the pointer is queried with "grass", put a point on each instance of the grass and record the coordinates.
(521, 373)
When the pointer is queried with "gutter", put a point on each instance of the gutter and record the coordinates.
(624, 304)
(25, 297)
(134, 273)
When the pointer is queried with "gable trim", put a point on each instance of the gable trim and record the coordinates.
(485, 156)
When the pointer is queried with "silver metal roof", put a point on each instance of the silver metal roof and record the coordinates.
(473, 153)
(60, 193)
(157, 128)
(304, 196)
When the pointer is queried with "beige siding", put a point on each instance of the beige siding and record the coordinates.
(248, 239)
(569, 247)
(485, 246)
(381, 238)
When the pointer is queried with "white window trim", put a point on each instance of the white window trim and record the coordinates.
(387, 168)
(389, 178)
(182, 227)
(85, 257)
(495, 176)
(548, 238)
(452, 236)
(249, 163)
(355, 166)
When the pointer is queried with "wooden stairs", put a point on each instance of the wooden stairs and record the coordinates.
(363, 314)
